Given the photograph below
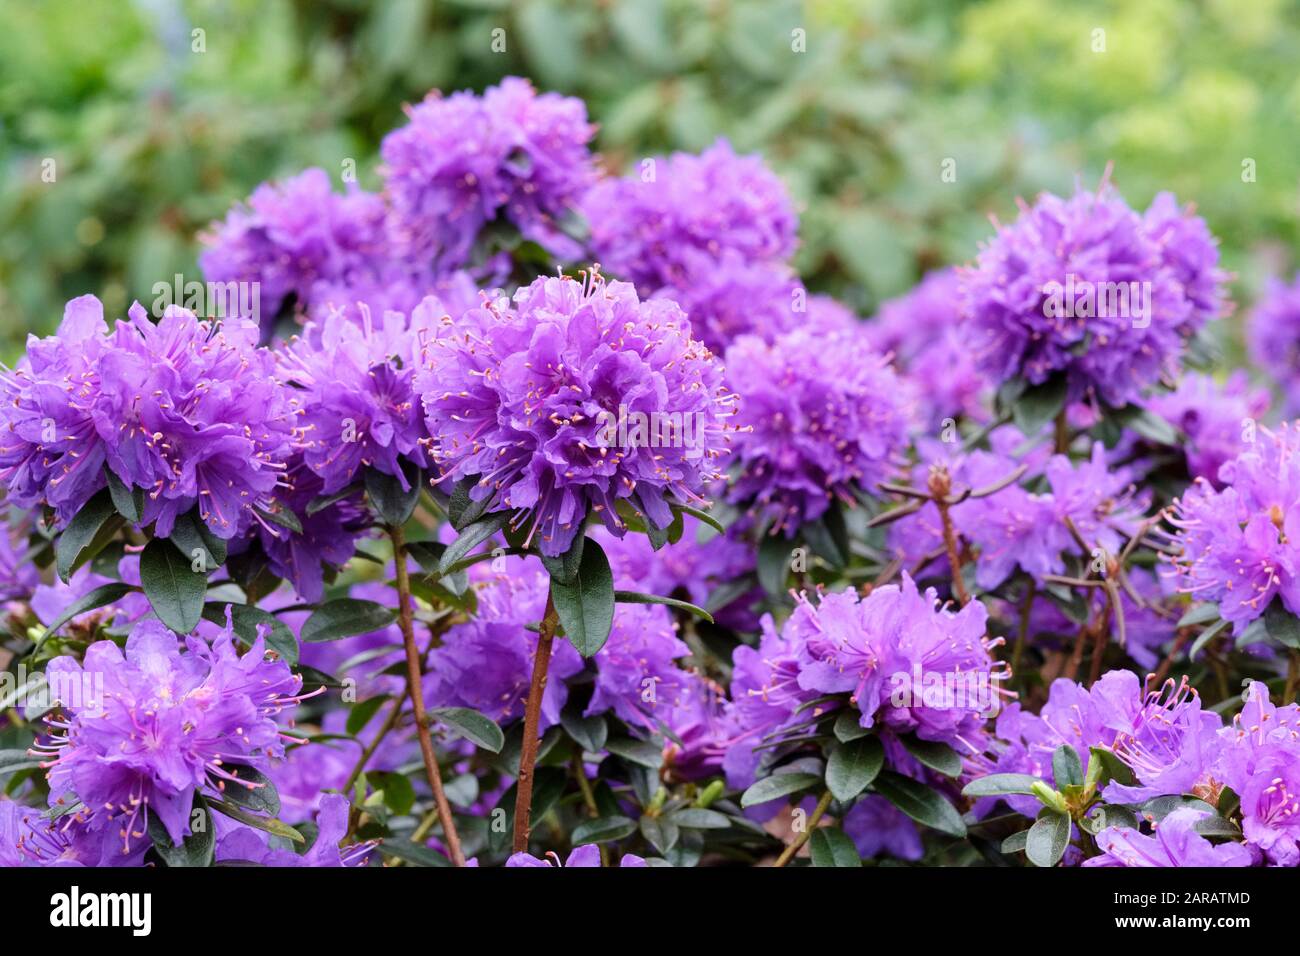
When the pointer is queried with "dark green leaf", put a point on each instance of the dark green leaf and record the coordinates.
(102, 595)
(1282, 625)
(697, 818)
(702, 515)
(12, 761)
(660, 832)
(174, 589)
(393, 504)
(636, 597)
(196, 850)
(363, 712)
(345, 617)
(1067, 769)
(848, 726)
(480, 730)
(1202, 613)
(282, 517)
(463, 510)
(72, 549)
(773, 564)
(590, 732)
(245, 621)
(937, 756)
(471, 537)
(1039, 405)
(257, 793)
(853, 766)
(920, 802)
(271, 825)
(586, 607)
(644, 753)
(1000, 784)
(414, 854)
(602, 830)
(778, 785)
(1048, 838)
(399, 795)
(129, 502)
(195, 540)
(829, 846)
(564, 568)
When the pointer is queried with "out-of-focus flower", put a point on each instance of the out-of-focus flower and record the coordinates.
(1217, 419)
(1174, 842)
(1273, 337)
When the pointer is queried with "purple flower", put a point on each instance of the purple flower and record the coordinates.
(1174, 842)
(1238, 545)
(463, 162)
(18, 577)
(588, 855)
(650, 229)
(875, 825)
(1215, 418)
(922, 331)
(636, 672)
(1087, 288)
(486, 663)
(576, 398)
(906, 662)
(29, 837)
(249, 845)
(293, 235)
(1273, 337)
(1260, 761)
(145, 730)
(819, 415)
(358, 396)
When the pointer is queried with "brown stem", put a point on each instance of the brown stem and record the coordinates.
(1022, 634)
(415, 688)
(1062, 436)
(954, 556)
(1292, 678)
(532, 717)
(788, 853)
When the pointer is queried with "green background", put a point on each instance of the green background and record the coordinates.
(152, 140)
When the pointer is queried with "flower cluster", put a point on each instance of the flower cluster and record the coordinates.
(189, 412)
(539, 401)
(1089, 289)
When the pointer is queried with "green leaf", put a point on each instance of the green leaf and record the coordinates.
(1282, 625)
(471, 538)
(412, 853)
(1015, 843)
(1048, 838)
(1000, 784)
(72, 549)
(129, 502)
(399, 795)
(282, 517)
(272, 825)
(848, 726)
(12, 761)
(175, 591)
(778, 785)
(345, 617)
(919, 802)
(245, 621)
(1148, 424)
(564, 568)
(698, 818)
(773, 564)
(196, 850)
(937, 756)
(1067, 769)
(1039, 405)
(702, 515)
(1202, 613)
(1204, 638)
(317, 505)
(637, 597)
(586, 607)
(463, 510)
(829, 846)
(589, 732)
(853, 766)
(193, 537)
(261, 797)
(1103, 767)
(477, 728)
(602, 830)
(362, 713)
(102, 595)
(391, 503)
(644, 753)
(660, 832)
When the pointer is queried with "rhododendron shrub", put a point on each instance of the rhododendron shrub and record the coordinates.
(534, 514)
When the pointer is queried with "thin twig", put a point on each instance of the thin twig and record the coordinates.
(532, 718)
(788, 853)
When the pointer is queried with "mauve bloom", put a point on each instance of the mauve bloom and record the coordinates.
(637, 676)
(1238, 544)
(294, 234)
(1174, 842)
(1273, 337)
(464, 162)
(155, 725)
(485, 663)
(1063, 257)
(250, 845)
(650, 229)
(18, 578)
(922, 331)
(907, 662)
(49, 601)
(875, 825)
(29, 838)
(1216, 418)
(1260, 761)
(587, 855)
(819, 415)
(531, 400)
(51, 451)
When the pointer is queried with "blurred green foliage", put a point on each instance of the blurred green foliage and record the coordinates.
(153, 130)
